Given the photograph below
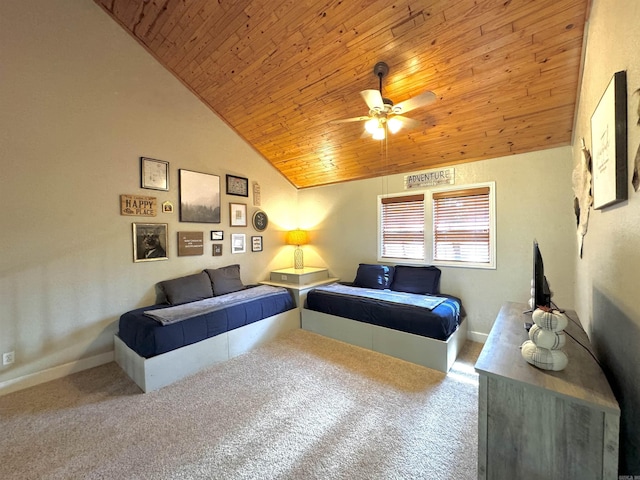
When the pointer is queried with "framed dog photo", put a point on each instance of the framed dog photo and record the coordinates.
(150, 242)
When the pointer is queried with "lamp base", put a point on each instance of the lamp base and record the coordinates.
(298, 262)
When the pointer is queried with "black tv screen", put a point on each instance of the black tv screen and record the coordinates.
(541, 293)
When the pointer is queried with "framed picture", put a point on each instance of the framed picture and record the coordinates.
(217, 235)
(609, 144)
(190, 243)
(237, 186)
(238, 214)
(167, 207)
(149, 242)
(238, 243)
(256, 244)
(217, 249)
(199, 197)
(154, 174)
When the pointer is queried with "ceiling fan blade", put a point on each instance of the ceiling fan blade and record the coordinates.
(425, 98)
(373, 99)
(352, 119)
(408, 122)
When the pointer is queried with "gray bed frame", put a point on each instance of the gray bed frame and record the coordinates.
(156, 372)
(425, 351)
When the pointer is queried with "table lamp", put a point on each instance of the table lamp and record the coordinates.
(297, 237)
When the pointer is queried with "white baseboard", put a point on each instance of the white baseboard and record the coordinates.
(477, 336)
(54, 373)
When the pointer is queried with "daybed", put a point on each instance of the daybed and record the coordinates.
(397, 310)
(200, 320)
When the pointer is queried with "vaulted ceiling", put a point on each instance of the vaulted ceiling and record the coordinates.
(505, 74)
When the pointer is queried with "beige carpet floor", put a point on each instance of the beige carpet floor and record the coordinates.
(301, 407)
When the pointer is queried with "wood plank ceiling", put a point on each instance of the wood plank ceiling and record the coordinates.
(505, 73)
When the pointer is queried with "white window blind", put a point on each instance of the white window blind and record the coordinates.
(402, 227)
(462, 226)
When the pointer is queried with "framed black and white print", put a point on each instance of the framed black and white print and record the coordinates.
(237, 186)
(154, 174)
(217, 235)
(238, 243)
(238, 214)
(609, 144)
(199, 197)
(256, 244)
(149, 242)
(217, 250)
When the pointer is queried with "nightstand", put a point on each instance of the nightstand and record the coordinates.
(299, 281)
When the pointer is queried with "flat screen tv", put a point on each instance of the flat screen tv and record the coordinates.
(540, 293)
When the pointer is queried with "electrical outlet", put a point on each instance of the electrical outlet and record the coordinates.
(8, 358)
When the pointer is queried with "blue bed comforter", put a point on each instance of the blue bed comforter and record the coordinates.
(148, 337)
(434, 316)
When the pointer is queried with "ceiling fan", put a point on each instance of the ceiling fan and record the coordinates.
(383, 114)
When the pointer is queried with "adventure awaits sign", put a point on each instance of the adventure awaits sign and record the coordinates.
(428, 178)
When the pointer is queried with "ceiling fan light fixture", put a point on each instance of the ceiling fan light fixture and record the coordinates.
(394, 125)
(371, 125)
(379, 133)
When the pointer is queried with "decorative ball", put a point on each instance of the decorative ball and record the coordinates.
(543, 358)
(546, 338)
(550, 319)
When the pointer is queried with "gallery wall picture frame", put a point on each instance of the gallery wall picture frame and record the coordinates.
(199, 197)
(217, 250)
(217, 235)
(154, 174)
(150, 242)
(238, 243)
(238, 214)
(190, 243)
(260, 220)
(256, 243)
(237, 186)
(609, 144)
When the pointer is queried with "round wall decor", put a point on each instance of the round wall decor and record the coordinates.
(260, 220)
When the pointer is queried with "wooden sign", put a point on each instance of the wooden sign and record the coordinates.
(427, 178)
(138, 205)
(190, 243)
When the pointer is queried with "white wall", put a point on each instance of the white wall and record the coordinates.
(534, 199)
(607, 276)
(81, 102)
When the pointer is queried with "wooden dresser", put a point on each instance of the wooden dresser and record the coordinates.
(538, 424)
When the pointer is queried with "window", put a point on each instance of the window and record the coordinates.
(462, 230)
(402, 228)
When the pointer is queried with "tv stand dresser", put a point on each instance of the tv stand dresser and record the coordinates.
(538, 424)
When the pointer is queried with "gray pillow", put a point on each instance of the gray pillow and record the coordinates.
(187, 289)
(225, 279)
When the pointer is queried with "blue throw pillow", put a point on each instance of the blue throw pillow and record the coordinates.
(373, 276)
(424, 280)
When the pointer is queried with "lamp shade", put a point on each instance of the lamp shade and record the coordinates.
(297, 237)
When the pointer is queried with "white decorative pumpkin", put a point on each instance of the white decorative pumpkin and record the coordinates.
(550, 320)
(543, 358)
(546, 338)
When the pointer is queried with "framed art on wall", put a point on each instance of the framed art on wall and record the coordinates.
(154, 174)
(217, 250)
(238, 243)
(217, 235)
(609, 144)
(256, 244)
(237, 186)
(190, 243)
(199, 197)
(149, 242)
(238, 214)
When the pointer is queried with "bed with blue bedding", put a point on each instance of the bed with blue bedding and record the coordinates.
(395, 310)
(200, 320)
